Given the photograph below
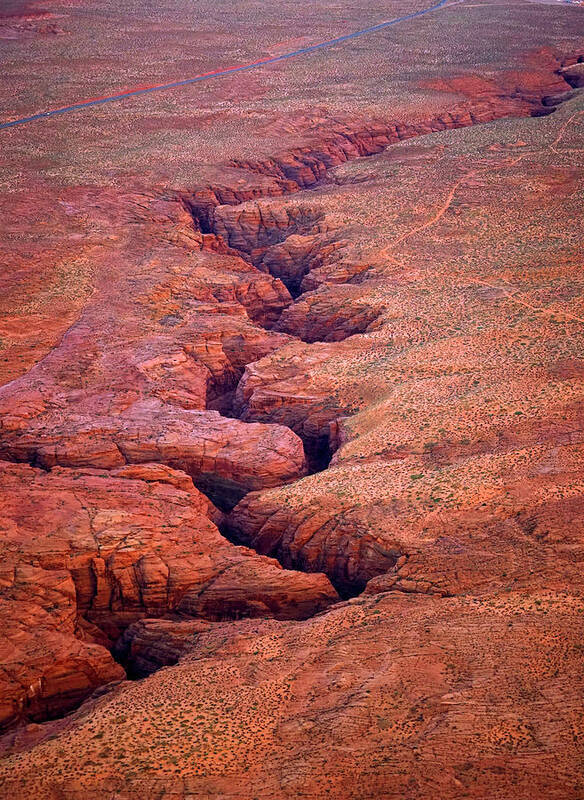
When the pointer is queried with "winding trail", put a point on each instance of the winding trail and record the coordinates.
(511, 293)
(99, 101)
(560, 136)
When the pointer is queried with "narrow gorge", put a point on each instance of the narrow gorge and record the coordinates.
(152, 437)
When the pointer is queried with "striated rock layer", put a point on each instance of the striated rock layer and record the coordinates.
(341, 324)
(87, 552)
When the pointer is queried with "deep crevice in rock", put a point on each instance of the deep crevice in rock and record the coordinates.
(264, 245)
(222, 493)
(146, 646)
(272, 239)
(288, 242)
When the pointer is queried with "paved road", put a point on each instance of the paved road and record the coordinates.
(220, 73)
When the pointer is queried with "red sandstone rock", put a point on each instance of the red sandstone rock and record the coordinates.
(437, 488)
(380, 697)
(152, 350)
(227, 455)
(283, 392)
(329, 315)
(149, 644)
(86, 553)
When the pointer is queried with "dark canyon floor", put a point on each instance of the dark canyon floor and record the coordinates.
(291, 409)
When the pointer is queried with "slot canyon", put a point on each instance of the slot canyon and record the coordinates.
(291, 497)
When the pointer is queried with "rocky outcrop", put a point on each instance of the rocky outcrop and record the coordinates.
(329, 314)
(297, 243)
(224, 456)
(106, 527)
(298, 255)
(281, 391)
(574, 75)
(463, 695)
(155, 355)
(85, 553)
(150, 644)
(341, 543)
(509, 94)
(251, 227)
(387, 524)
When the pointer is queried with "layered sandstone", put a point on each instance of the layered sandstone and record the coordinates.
(241, 282)
(87, 552)
(223, 455)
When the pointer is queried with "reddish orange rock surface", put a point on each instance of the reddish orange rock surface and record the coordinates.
(363, 701)
(85, 553)
(330, 309)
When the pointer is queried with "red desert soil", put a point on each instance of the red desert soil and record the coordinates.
(291, 410)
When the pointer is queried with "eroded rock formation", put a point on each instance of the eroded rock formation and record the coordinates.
(87, 552)
(228, 337)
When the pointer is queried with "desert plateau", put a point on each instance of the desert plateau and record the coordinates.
(291, 400)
